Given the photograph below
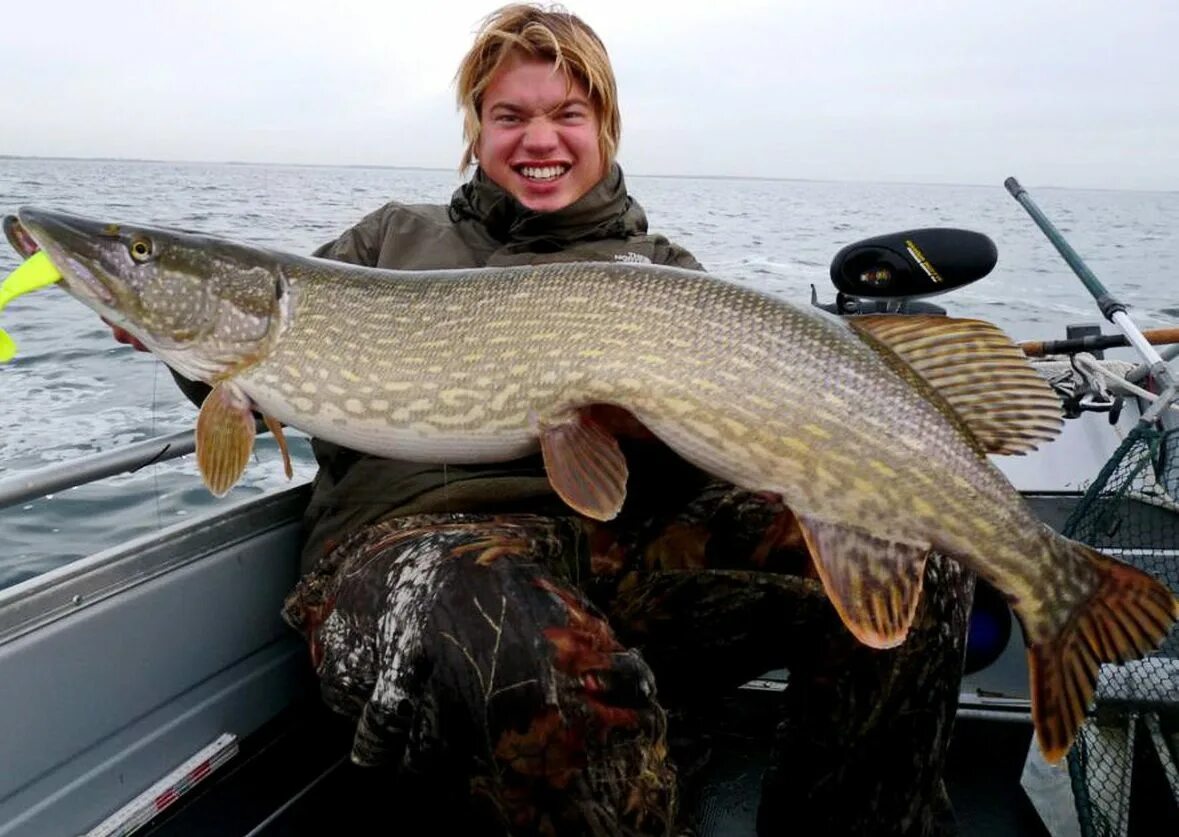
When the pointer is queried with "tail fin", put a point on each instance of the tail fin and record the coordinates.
(1125, 617)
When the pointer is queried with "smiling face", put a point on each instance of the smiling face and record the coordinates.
(539, 135)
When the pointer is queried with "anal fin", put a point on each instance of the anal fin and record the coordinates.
(585, 465)
(875, 584)
(224, 438)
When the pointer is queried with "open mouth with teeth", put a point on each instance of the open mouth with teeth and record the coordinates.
(543, 174)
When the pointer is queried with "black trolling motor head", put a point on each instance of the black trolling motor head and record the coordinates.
(890, 270)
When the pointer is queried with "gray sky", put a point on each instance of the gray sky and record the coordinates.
(1080, 93)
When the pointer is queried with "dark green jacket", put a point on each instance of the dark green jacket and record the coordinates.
(482, 226)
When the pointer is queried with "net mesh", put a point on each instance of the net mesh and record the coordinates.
(1123, 765)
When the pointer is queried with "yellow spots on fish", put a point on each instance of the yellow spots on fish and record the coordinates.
(302, 404)
(757, 454)
(458, 397)
(590, 354)
(679, 406)
(984, 526)
(354, 405)
(703, 428)
(703, 385)
(293, 371)
(882, 469)
(474, 357)
(323, 373)
(796, 445)
(420, 405)
(863, 486)
(350, 377)
(922, 508)
(379, 405)
(817, 431)
(501, 397)
(834, 401)
(308, 387)
(735, 428)
(396, 386)
(756, 400)
(472, 415)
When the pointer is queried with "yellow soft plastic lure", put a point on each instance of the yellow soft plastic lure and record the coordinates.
(35, 272)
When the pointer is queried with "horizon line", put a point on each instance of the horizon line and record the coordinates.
(629, 174)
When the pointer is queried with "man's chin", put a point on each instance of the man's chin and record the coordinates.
(559, 196)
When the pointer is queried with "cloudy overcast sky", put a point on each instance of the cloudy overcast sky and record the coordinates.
(1082, 93)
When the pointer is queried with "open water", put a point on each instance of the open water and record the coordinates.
(72, 391)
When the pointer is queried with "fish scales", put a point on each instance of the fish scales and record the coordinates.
(874, 432)
(520, 348)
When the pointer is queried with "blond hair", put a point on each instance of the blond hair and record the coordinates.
(550, 33)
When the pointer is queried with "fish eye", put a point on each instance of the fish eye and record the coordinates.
(140, 249)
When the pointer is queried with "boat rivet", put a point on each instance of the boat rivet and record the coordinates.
(77, 599)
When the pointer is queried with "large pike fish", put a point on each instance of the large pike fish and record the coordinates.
(875, 431)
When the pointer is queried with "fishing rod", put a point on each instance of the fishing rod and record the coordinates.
(1096, 342)
(1112, 309)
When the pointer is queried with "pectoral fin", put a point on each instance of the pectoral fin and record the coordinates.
(874, 584)
(224, 437)
(585, 466)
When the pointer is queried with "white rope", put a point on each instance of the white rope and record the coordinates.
(1094, 367)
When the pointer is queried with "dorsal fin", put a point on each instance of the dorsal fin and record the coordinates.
(983, 375)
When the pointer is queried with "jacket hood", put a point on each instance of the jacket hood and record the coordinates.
(605, 211)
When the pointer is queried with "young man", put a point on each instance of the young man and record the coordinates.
(440, 604)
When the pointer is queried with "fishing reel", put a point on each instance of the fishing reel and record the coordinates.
(893, 273)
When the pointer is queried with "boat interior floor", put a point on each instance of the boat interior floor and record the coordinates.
(293, 777)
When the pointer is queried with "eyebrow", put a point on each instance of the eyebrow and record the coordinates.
(576, 101)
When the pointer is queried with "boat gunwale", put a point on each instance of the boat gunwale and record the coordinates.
(57, 593)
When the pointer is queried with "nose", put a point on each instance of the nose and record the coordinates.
(540, 135)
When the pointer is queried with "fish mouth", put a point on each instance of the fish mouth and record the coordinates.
(19, 237)
(74, 244)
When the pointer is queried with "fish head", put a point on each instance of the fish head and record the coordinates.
(206, 306)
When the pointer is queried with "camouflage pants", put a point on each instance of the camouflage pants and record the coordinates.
(469, 649)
